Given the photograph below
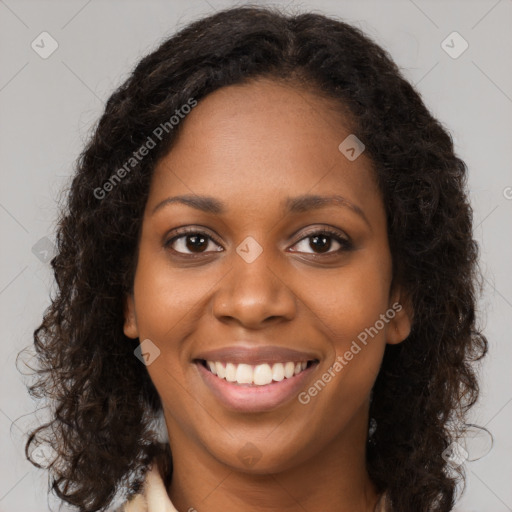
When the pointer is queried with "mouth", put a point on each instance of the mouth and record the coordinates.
(255, 388)
(244, 374)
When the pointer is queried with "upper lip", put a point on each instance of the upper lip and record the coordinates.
(256, 355)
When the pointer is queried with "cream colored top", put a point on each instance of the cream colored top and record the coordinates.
(154, 497)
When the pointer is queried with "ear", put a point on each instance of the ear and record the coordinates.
(400, 325)
(130, 321)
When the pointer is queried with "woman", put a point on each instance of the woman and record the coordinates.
(267, 244)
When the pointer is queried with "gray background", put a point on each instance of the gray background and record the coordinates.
(49, 105)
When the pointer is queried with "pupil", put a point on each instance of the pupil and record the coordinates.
(324, 245)
(197, 242)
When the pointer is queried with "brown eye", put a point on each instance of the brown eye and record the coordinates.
(322, 241)
(195, 242)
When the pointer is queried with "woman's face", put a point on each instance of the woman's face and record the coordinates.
(258, 276)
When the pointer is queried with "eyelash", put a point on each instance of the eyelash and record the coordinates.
(346, 245)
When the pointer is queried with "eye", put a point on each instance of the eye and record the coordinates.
(197, 242)
(321, 241)
(190, 241)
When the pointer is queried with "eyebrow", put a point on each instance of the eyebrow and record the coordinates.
(297, 204)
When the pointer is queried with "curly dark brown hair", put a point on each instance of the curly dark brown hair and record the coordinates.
(100, 394)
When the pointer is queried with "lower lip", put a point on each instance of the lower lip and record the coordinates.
(252, 398)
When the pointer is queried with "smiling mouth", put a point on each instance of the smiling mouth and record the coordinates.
(256, 375)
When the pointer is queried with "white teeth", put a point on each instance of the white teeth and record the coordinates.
(278, 372)
(244, 374)
(289, 369)
(259, 375)
(221, 371)
(262, 375)
(230, 372)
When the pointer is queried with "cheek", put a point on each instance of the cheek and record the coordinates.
(347, 305)
(350, 299)
(168, 300)
(168, 306)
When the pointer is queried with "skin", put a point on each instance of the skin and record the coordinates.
(251, 146)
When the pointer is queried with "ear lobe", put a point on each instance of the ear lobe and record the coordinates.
(130, 321)
(400, 325)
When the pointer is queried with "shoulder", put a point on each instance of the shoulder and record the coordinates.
(153, 497)
(383, 505)
(136, 504)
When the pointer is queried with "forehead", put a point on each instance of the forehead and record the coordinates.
(260, 141)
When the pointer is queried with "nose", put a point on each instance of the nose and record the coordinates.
(254, 294)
